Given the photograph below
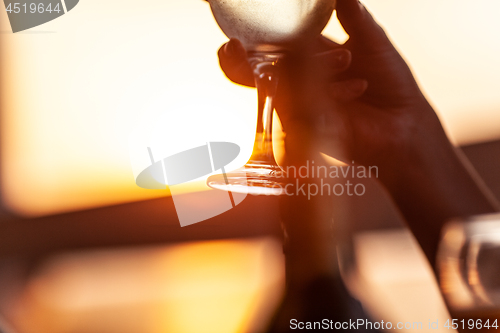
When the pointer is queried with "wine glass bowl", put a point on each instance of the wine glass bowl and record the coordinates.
(272, 25)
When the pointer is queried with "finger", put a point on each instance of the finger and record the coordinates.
(322, 58)
(327, 43)
(333, 61)
(349, 90)
(304, 79)
(360, 25)
(233, 61)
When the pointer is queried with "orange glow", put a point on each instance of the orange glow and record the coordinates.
(82, 94)
(70, 139)
(218, 286)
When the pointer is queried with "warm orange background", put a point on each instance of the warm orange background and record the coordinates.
(75, 89)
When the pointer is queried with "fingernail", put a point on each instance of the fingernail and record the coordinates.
(348, 90)
(357, 86)
(229, 49)
(340, 58)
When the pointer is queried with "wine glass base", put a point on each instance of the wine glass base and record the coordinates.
(257, 179)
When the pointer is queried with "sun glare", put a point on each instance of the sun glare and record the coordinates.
(109, 80)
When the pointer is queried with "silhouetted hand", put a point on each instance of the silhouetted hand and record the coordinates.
(359, 99)
(359, 102)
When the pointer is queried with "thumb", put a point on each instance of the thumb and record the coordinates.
(360, 25)
(348, 90)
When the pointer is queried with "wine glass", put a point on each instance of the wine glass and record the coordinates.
(469, 271)
(268, 30)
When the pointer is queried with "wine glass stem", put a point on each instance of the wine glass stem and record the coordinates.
(265, 69)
